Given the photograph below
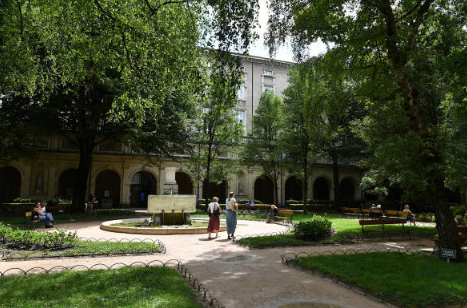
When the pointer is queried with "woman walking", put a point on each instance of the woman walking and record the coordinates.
(214, 211)
(231, 216)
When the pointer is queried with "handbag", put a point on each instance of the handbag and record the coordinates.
(216, 211)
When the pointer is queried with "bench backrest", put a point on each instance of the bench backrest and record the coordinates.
(28, 214)
(380, 211)
(391, 212)
(383, 221)
(287, 212)
(402, 213)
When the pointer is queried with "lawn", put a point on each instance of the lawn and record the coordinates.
(125, 287)
(84, 248)
(410, 277)
(66, 218)
(346, 229)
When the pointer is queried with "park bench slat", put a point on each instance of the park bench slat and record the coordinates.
(383, 222)
(284, 218)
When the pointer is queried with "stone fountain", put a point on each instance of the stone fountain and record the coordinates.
(170, 215)
(171, 209)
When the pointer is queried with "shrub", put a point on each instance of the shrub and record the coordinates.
(28, 238)
(315, 229)
(458, 209)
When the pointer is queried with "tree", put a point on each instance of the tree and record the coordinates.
(265, 146)
(402, 57)
(330, 109)
(299, 149)
(218, 134)
(139, 54)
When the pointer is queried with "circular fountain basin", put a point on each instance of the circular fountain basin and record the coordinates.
(110, 226)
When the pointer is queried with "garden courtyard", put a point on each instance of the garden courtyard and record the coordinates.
(238, 276)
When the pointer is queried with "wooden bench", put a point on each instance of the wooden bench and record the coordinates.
(352, 212)
(383, 222)
(284, 219)
(396, 213)
(30, 221)
(374, 214)
(59, 207)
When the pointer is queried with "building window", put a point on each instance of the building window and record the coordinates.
(268, 73)
(242, 92)
(240, 116)
(268, 88)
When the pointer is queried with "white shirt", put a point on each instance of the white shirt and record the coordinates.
(229, 203)
(213, 206)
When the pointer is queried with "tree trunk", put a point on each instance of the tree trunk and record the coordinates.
(207, 178)
(335, 175)
(85, 159)
(447, 234)
(276, 197)
(305, 180)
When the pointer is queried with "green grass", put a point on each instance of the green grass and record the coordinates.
(127, 287)
(16, 221)
(275, 240)
(88, 248)
(411, 277)
(346, 229)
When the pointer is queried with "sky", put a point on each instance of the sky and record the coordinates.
(284, 52)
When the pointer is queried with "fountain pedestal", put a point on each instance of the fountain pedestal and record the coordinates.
(171, 209)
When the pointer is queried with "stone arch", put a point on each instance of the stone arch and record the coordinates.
(184, 182)
(107, 189)
(67, 183)
(293, 189)
(347, 188)
(264, 189)
(321, 188)
(10, 184)
(97, 171)
(142, 184)
(215, 190)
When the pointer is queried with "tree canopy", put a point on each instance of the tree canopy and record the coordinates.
(405, 58)
(110, 67)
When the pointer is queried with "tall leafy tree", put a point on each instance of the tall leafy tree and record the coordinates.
(300, 147)
(330, 110)
(402, 55)
(137, 54)
(218, 134)
(265, 144)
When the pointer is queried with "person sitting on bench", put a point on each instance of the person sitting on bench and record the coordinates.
(40, 213)
(274, 212)
(410, 215)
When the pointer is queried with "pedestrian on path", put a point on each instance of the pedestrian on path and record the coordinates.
(214, 210)
(231, 215)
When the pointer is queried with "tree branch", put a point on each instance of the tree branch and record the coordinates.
(410, 11)
(21, 18)
(155, 10)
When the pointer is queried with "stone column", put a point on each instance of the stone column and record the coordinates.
(170, 184)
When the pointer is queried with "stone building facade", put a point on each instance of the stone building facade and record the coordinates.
(122, 179)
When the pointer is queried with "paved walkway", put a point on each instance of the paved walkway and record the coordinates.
(237, 276)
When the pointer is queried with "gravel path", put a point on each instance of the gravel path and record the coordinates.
(237, 276)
